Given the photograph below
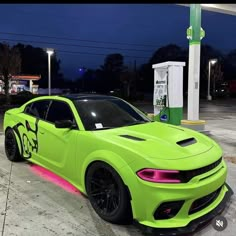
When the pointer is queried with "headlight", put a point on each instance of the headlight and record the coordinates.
(159, 176)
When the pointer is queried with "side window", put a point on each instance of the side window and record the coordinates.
(38, 109)
(59, 111)
(28, 109)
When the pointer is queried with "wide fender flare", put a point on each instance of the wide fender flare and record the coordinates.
(112, 159)
(10, 125)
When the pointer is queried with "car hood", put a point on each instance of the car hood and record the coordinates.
(157, 140)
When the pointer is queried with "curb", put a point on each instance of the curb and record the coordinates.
(193, 122)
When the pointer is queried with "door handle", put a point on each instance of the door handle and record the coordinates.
(41, 132)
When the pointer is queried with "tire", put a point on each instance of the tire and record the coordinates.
(11, 147)
(107, 193)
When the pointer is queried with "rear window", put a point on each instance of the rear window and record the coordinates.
(37, 109)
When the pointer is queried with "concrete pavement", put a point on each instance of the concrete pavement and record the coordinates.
(30, 205)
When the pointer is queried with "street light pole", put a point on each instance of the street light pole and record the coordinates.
(211, 62)
(49, 52)
(209, 98)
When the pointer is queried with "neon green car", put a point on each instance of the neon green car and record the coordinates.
(130, 167)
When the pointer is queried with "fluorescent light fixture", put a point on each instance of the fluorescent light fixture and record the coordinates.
(50, 51)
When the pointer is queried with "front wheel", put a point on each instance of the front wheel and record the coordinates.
(107, 193)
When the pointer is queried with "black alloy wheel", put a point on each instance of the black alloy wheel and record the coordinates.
(107, 193)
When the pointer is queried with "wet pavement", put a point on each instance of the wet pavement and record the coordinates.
(216, 109)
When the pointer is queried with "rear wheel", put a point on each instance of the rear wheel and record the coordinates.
(107, 193)
(11, 147)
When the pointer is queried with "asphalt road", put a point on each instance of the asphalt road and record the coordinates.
(216, 109)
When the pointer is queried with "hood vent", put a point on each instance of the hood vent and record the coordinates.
(186, 142)
(132, 137)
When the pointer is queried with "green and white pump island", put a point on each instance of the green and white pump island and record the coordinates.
(168, 92)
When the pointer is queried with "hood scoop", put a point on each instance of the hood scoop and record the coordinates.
(132, 137)
(186, 142)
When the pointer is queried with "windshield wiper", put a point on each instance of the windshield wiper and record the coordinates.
(137, 122)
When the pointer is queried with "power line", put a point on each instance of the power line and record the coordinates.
(82, 40)
(77, 45)
(98, 54)
(73, 52)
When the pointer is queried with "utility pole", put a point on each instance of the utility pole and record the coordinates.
(135, 78)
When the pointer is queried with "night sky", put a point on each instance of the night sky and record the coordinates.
(134, 30)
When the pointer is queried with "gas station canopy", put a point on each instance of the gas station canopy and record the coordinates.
(195, 34)
(229, 9)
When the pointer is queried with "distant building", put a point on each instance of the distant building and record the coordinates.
(20, 83)
(54, 91)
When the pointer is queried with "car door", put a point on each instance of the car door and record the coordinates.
(57, 146)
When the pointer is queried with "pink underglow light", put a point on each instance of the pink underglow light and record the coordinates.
(159, 176)
(53, 178)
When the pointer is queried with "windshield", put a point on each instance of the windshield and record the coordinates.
(97, 114)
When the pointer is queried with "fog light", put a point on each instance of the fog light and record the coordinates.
(168, 210)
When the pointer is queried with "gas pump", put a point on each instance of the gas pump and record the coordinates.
(168, 92)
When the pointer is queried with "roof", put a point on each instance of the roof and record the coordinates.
(26, 77)
(229, 9)
(81, 96)
(168, 63)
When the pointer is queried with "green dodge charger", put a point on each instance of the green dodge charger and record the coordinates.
(130, 167)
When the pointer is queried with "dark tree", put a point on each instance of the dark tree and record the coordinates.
(87, 81)
(208, 53)
(127, 79)
(230, 65)
(175, 53)
(111, 70)
(10, 64)
(170, 52)
(35, 62)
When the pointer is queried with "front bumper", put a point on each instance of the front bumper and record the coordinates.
(146, 197)
(198, 223)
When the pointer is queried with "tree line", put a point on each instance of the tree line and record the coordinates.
(113, 74)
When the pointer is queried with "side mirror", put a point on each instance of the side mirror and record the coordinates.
(64, 124)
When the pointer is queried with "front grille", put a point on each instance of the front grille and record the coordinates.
(186, 176)
(203, 202)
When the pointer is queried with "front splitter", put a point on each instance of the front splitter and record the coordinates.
(194, 225)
